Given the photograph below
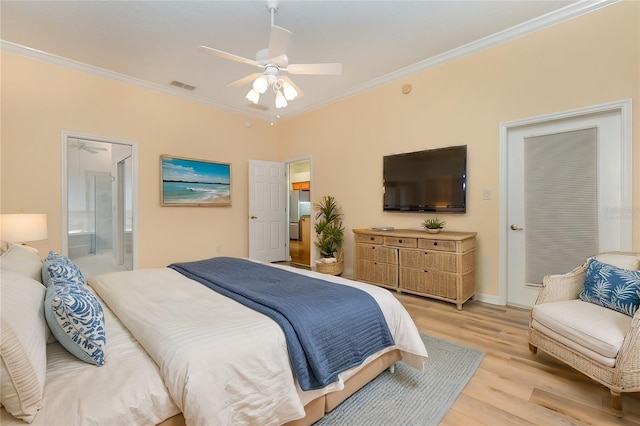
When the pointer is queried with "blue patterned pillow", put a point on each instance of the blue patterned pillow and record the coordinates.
(611, 287)
(75, 318)
(57, 266)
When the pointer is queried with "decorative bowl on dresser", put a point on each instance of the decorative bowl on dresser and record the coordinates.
(441, 266)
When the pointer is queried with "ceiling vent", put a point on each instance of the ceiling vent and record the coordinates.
(183, 85)
(257, 106)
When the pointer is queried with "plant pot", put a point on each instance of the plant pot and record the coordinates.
(433, 231)
(334, 268)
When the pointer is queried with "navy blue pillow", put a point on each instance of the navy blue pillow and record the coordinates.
(611, 287)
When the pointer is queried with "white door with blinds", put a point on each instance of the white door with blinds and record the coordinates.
(564, 188)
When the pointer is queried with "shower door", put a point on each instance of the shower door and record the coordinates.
(125, 213)
(103, 213)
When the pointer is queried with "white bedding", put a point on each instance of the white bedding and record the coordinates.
(126, 390)
(224, 363)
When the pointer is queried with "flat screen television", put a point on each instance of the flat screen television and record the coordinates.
(434, 180)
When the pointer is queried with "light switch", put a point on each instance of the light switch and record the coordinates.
(486, 194)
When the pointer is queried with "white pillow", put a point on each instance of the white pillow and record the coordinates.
(620, 260)
(23, 344)
(23, 260)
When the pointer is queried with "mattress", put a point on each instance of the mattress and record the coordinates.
(222, 362)
(127, 390)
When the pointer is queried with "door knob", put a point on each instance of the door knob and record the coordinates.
(515, 227)
(253, 217)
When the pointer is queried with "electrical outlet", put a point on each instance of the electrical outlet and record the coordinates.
(486, 194)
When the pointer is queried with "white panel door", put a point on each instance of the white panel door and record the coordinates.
(267, 211)
(611, 228)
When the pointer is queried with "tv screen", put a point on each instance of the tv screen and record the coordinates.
(434, 180)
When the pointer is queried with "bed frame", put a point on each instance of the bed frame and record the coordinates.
(316, 409)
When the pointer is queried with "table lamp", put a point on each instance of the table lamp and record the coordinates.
(22, 227)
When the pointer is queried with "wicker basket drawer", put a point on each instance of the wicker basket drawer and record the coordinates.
(431, 260)
(401, 242)
(375, 253)
(369, 239)
(377, 273)
(439, 245)
(428, 282)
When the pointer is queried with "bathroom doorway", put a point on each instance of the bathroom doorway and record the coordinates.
(98, 203)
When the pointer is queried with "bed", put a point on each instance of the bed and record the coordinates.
(203, 358)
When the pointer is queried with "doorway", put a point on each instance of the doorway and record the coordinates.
(98, 203)
(299, 209)
(565, 184)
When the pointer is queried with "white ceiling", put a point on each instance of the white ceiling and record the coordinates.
(152, 43)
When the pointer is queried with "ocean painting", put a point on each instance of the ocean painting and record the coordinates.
(189, 182)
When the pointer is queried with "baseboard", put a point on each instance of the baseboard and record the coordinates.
(487, 298)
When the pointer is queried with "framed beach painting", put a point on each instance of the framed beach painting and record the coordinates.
(191, 182)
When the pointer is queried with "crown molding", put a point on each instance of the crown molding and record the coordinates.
(545, 21)
(561, 15)
(28, 52)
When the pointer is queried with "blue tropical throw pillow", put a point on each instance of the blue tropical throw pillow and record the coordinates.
(611, 287)
(76, 319)
(58, 266)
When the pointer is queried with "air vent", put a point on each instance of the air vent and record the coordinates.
(183, 85)
(257, 106)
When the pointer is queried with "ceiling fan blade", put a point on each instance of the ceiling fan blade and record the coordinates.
(278, 41)
(288, 80)
(229, 56)
(317, 69)
(244, 80)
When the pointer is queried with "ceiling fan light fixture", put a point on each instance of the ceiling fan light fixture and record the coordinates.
(253, 96)
(281, 102)
(290, 92)
(261, 84)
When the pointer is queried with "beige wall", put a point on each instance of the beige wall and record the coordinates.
(589, 60)
(40, 100)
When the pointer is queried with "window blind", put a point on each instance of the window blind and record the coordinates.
(561, 212)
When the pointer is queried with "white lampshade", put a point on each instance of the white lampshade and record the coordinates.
(253, 96)
(21, 227)
(281, 102)
(290, 92)
(261, 84)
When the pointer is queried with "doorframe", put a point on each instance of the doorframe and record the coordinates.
(65, 136)
(624, 108)
(286, 164)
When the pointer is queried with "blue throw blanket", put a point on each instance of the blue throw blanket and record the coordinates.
(328, 327)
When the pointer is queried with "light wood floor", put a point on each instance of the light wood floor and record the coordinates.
(512, 386)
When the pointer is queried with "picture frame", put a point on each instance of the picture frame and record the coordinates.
(196, 183)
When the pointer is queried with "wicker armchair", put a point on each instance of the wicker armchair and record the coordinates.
(619, 370)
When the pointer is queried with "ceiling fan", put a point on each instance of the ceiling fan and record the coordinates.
(274, 63)
(81, 146)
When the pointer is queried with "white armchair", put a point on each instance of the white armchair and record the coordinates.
(599, 342)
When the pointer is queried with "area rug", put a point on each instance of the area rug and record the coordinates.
(409, 396)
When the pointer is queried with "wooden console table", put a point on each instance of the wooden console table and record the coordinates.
(441, 266)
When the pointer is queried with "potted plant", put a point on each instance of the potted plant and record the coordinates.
(433, 226)
(329, 236)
